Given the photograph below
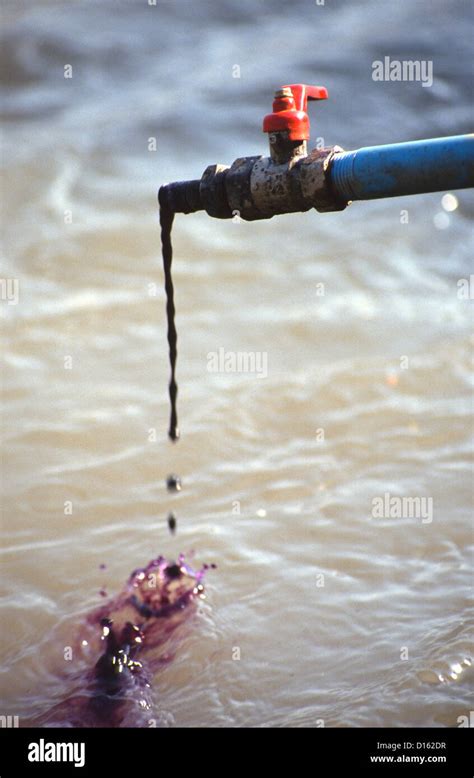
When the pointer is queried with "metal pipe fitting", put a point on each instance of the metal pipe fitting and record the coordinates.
(181, 196)
(325, 179)
(258, 187)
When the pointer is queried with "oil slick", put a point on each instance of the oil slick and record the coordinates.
(128, 638)
(142, 619)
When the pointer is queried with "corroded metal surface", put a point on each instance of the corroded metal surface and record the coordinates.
(298, 185)
(275, 187)
(238, 189)
(282, 149)
(314, 180)
(213, 192)
(260, 187)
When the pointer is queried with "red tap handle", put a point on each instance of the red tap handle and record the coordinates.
(290, 110)
(302, 93)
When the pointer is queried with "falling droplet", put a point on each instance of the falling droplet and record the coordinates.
(173, 483)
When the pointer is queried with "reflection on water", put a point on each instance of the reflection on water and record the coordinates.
(337, 615)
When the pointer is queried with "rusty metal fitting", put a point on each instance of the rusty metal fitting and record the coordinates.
(259, 187)
(282, 149)
(238, 189)
(313, 172)
(213, 192)
(298, 185)
(275, 188)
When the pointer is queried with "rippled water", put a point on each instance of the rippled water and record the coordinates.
(339, 617)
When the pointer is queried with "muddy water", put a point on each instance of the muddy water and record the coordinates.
(336, 615)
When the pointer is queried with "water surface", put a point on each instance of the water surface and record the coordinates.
(369, 385)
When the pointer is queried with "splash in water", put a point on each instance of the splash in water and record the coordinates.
(130, 630)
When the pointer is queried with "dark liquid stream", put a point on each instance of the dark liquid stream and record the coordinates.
(166, 223)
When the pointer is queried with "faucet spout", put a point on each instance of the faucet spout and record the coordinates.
(181, 196)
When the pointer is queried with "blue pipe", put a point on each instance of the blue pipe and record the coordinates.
(399, 169)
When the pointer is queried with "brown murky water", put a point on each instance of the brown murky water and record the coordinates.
(362, 382)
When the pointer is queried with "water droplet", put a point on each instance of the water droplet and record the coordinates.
(173, 483)
(172, 523)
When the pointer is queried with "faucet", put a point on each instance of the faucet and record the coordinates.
(327, 179)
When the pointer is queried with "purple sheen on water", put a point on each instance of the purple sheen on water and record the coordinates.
(127, 634)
